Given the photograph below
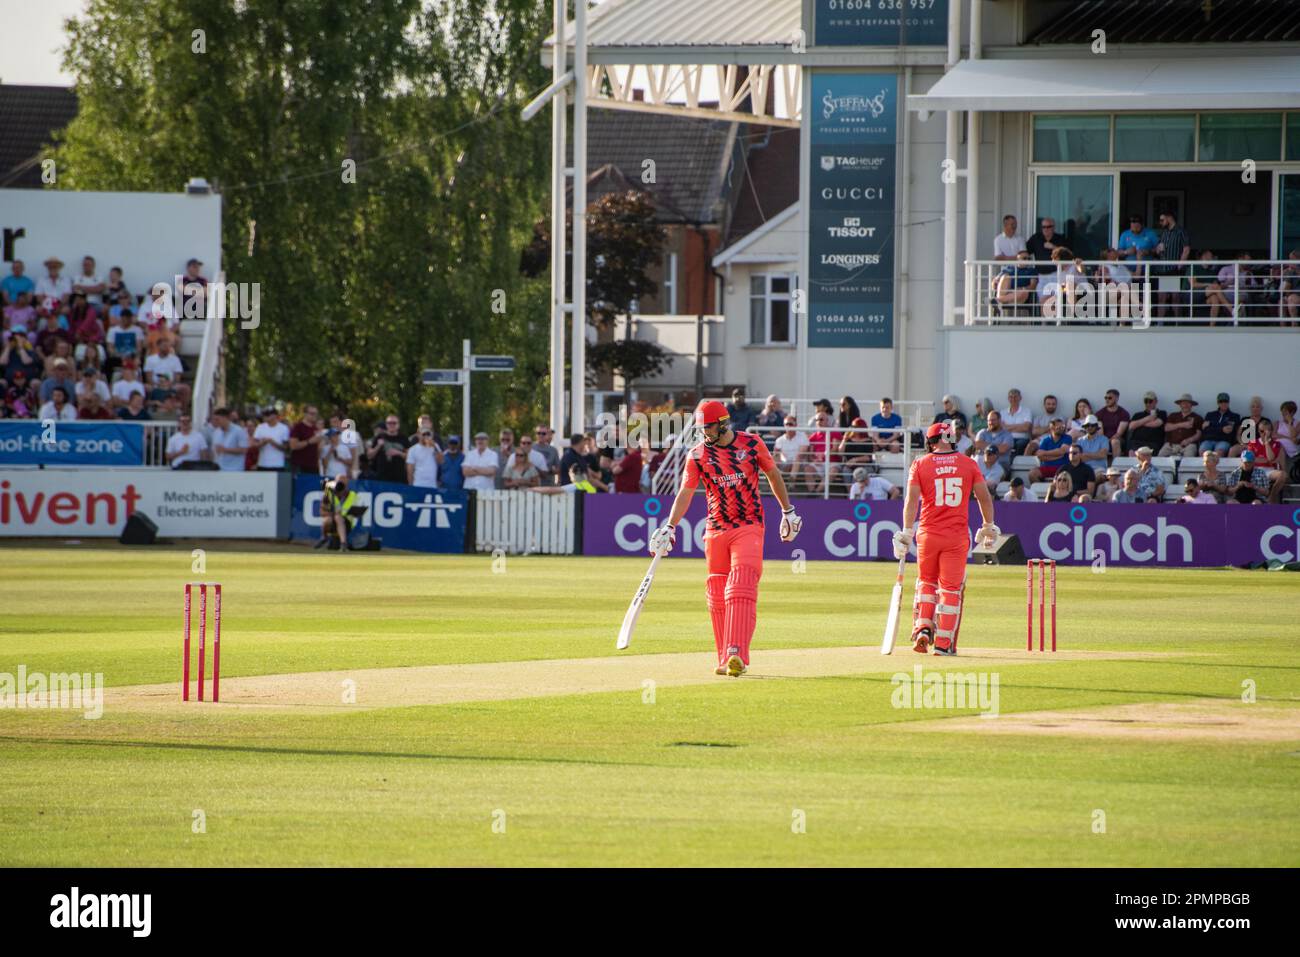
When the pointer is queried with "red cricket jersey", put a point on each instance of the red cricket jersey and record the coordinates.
(730, 474)
(945, 480)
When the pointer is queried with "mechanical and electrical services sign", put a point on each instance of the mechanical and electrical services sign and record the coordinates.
(851, 216)
(880, 23)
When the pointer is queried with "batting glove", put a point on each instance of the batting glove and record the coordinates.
(902, 543)
(987, 534)
(790, 524)
(661, 539)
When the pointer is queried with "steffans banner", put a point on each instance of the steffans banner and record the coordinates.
(1072, 534)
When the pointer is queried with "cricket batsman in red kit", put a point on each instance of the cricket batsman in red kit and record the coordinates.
(728, 463)
(942, 483)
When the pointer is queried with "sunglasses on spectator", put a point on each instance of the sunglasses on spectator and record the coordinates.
(525, 442)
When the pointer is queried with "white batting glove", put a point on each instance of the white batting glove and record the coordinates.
(902, 543)
(661, 539)
(988, 534)
(790, 524)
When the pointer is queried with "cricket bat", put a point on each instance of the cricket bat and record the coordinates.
(895, 605)
(638, 601)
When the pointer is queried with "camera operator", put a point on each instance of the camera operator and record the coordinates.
(335, 504)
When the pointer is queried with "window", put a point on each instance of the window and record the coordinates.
(669, 303)
(1071, 138)
(1288, 220)
(769, 309)
(1231, 137)
(1155, 137)
(1081, 206)
(1293, 136)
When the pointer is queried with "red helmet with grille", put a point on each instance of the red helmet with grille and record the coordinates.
(940, 430)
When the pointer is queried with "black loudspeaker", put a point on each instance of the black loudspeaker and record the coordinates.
(1005, 551)
(139, 530)
(364, 542)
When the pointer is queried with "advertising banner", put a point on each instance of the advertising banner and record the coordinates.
(33, 442)
(403, 516)
(880, 22)
(97, 502)
(851, 219)
(1166, 535)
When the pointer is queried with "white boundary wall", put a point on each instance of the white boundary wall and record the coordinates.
(1083, 363)
(523, 522)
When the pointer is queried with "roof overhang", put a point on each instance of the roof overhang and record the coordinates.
(739, 251)
(1103, 83)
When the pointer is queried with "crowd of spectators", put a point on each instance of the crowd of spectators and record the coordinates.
(85, 347)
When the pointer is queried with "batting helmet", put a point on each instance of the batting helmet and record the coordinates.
(940, 430)
(709, 412)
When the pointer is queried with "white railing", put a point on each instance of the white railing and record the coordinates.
(521, 522)
(1101, 292)
(208, 370)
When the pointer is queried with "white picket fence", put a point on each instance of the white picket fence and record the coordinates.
(524, 523)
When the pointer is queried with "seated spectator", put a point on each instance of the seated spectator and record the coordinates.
(821, 405)
(16, 284)
(769, 421)
(126, 339)
(1193, 494)
(627, 470)
(1138, 242)
(1082, 476)
(1151, 481)
(230, 442)
(58, 407)
(423, 459)
(115, 288)
(164, 362)
(1051, 451)
(873, 487)
(1057, 290)
(90, 408)
(194, 291)
(62, 352)
(125, 387)
(1248, 485)
(1017, 420)
(21, 315)
(1019, 492)
(1289, 289)
(1219, 428)
(53, 285)
(1094, 449)
(1288, 431)
(88, 285)
(997, 437)
(158, 316)
(1148, 426)
(50, 330)
(453, 457)
(1236, 282)
(60, 378)
(848, 413)
(818, 463)
(186, 447)
(1109, 481)
(980, 420)
(1182, 429)
(1203, 287)
(787, 449)
(91, 382)
(89, 356)
(1015, 284)
(887, 418)
(17, 355)
(134, 410)
(1114, 419)
(19, 397)
(990, 467)
(1008, 243)
(1269, 457)
(1248, 429)
(1061, 489)
(1042, 423)
(951, 411)
(742, 416)
(1211, 480)
(1112, 272)
(1129, 494)
(854, 450)
(962, 441)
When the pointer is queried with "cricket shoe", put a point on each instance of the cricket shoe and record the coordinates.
(721, 669)
(947, 649)
(735, 667)
(922, 641)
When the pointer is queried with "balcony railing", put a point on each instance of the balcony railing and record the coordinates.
(1203, 292)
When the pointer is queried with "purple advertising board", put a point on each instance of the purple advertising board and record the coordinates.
(1171, 535)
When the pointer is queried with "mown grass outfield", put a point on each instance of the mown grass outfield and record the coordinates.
(721, 772)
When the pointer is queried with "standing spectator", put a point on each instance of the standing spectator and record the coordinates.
(423, 459)
(305, 440)
(1148, 427)
(994, 435)
(887, 418)
(1174, 245)
(1182, 429)
(1043, 244)
(573, 454)
(480, 465)
(1019, 492)
(1249, 427)
(1094, 449)
(549, 453)
(423, 424)
(57, 407)
(505, 452)
(788, 449)
(194, 291)
(186, 447)
(271, 440)
(520, 472)
(769, 421)
(53, 285)
(1043, 423)
(991, 468)
(338, 456)
(387, 451)
(16, 283)
(1219, 428)
(1114, 421)
(1151, 481)
(1129, 494)
(1017, 420)
(1138, 242)
(627, 470)
(229, 442)
(1008, 243)
(1211, 479)
(1051, 451)
(742, 416)
(88, 284)
(452, 475)
(1248, 485)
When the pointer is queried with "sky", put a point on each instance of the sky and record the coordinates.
(33, 35)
